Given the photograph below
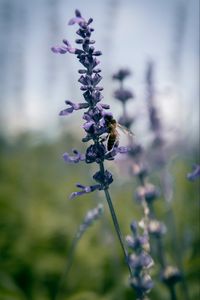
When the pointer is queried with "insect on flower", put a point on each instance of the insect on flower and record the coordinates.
(113, 134)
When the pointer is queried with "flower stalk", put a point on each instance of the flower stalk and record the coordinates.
(99, 123)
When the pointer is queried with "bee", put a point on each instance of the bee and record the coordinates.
(113, 134)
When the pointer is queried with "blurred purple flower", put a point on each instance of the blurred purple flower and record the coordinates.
(121, 74)
(149, 192)
(92, 215)
(156, 228)
(140, 261)
(142, 285)
(123, 95)
(195, 174)
(171, 275)
(126, 121)
(138, 242)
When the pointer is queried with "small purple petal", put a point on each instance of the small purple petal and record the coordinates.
(66, 112)
(105, 106)
(122, 149)
(87, 125)
(73, 159)
(85, 190)
(61, 50)
(107, 114)
(74, 106)
(96, 79)
(66, 43)
(78, 13)
(75, 20)
(97, 53)
(79, 185)
(194, 174)
(76, 194)
(89, 21)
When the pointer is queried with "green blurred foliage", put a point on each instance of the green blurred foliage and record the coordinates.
(38, 224)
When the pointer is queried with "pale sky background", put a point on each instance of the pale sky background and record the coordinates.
(35, 82)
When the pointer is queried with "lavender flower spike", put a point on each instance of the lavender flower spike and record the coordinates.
(97, 123)
(140, 262)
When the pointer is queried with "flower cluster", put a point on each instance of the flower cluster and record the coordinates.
(96, 117)
(140, 262)
(91, 216)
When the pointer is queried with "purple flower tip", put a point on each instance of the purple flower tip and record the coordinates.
(78, 13)
(60, 50)
(75, 158)
(84, 190)
(194, 174)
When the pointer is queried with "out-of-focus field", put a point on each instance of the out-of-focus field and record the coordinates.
(38, 223)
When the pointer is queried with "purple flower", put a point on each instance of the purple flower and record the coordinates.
(77, 19)
(149, 192)
(114, 151)
(73, 159)
(73, 106)
(95, 153)
(154, 118)
(142, 285)
(126, 121)
(156, 228)
(122, 74)
(93, 215)
(105, 178)
(195, 174)
(63, 49)
(135, 150)
(171, 275)
(141, 261)
(123, 95)
(139, 242)
(85, 190)
(139, 170)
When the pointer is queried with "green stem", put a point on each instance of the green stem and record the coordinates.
(172, 292)
(116, 223)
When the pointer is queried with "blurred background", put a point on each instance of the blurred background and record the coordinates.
(37, 221)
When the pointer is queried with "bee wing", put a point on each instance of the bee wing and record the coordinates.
(125, 129)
